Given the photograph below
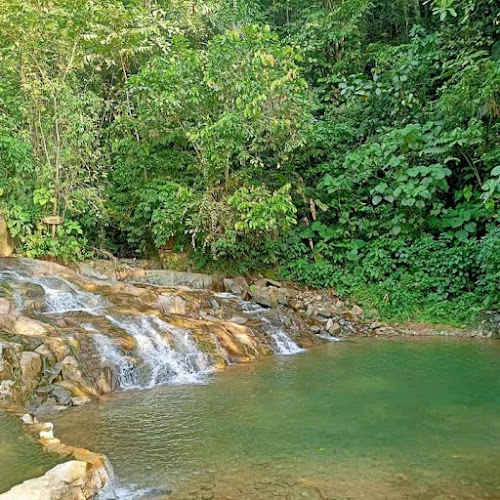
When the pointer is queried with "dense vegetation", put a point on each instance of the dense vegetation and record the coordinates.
(344, 143)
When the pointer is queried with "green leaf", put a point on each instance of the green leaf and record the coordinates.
(470, 227)
(376, 199)
(321, 205)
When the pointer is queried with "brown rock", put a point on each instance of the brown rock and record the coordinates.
(31, 368)
(236, 285)
(357, 312)
(21, 325)
(5, 306)
(171, 304)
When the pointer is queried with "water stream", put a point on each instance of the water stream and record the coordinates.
(166, 354)
(169, 354)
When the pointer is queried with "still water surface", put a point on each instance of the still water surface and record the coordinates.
(352, 420)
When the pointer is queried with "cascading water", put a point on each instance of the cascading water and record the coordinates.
(283, 344)
(60, 294)
(113, 490)
(178, 362)
(125, 370)
(168, 354)
(63, 296)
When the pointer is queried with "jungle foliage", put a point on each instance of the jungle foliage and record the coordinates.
(352, 144)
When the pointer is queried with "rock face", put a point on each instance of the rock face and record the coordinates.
(105, 270)
(171, 304)
(6, 243)
(31, 368)
(236, 285)
(176, 278)
(73, 480)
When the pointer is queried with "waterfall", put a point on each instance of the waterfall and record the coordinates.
(176, 362)
(251, 307)
(113, 490)
(284, 345)
(125, 370)
(62, 296)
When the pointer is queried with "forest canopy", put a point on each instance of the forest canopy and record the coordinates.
(352, 144)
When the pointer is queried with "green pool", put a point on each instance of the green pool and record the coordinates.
(364, 419)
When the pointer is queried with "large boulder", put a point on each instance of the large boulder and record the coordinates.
(176, 278)
(6, 243)
(21, 325)
(265, 296)
(73, 480)
(238, 285)
(31, 369)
